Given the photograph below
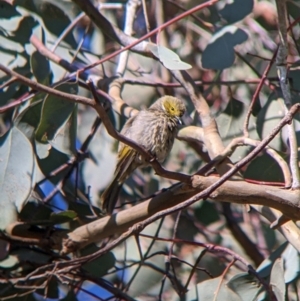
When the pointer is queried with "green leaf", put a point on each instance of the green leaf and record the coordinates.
(8, 93)
(277, 280)
(32, 256)
(55, 15)
(269, 117)
(65, 140)
(207, 290)
(17, 174)
(24, 31)
(169, 58)
(55, 113)
(54, 160)
(83, 210)
(42, 150)
(246, 286)
(207, 213)
(264, 168)
(291, 263)
(236, 10)
(28, 120)
(265, 267)
(35, 211)
(154, 277)
(294, 75)
(292, 8)
(99, 266)
(7, 11)
(40, 67)
(219, 53)
(62, 217)
(230, 124)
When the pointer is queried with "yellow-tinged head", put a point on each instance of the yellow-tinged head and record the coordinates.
(172, 106)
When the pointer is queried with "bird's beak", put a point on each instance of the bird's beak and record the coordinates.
(179, 121)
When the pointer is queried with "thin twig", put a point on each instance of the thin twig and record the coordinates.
(222, 278)
(255, 95)
(92, 12)
(37, 86)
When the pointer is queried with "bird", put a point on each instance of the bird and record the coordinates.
(155, 129)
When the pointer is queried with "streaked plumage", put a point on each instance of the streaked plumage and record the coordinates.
(155, 129)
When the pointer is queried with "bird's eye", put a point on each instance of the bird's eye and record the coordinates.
(172, 109)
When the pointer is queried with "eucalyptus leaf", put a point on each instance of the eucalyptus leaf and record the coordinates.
(65, 140)
(246, 286)
(55, 15)
(264, 168)
(83, 209)
(17, 174)
(24, 31)
(207, 213)
(265, 267)
(42, 149)
(35, 211)
(33, 256)
(269, 117)
(277, 280)
(8, 93)
(27, 122)
(62, 217)
(236, 10)
(138, 285)
(219, 53)
(169, 58)
(212, 290)
(55, 113)
(54, 160)
(291, 263)
(231, 122)
(8, 11)
(40, 67)
(99, 266)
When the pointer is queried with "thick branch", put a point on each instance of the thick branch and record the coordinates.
(238, 192)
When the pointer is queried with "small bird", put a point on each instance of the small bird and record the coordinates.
(154, 129)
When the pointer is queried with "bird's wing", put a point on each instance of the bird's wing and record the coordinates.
(125, 165)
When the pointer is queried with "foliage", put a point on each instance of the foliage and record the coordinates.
(56, 158)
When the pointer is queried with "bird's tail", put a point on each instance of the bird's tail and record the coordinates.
(124, 168)
(110, 196)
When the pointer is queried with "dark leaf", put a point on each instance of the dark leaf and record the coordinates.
(236, 10)
(219, 53)
(99, 266)
(56, 112)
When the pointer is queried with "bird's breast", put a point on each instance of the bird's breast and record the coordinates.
(163, 138)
